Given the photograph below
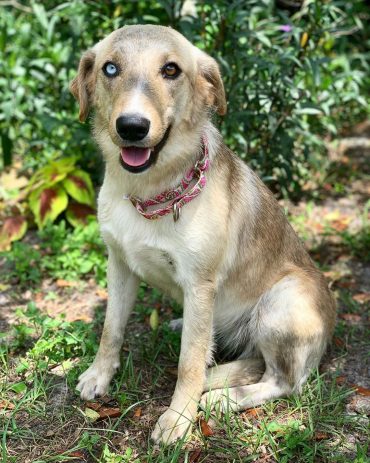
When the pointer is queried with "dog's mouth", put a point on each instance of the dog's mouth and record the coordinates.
(138, 159)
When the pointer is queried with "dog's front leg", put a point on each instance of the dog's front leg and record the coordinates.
(195, 346)
(122, 290)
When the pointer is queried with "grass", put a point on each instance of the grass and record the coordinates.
(310, 427)
(43, 420)
(58, 252)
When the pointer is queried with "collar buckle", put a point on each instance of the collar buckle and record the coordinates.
(176, 209)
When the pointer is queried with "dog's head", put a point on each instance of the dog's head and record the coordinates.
(146, 83)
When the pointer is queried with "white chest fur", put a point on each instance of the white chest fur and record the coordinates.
(157, 251)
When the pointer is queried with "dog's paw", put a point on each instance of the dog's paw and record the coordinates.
(94, 382)
(171, 426)
(219, 399)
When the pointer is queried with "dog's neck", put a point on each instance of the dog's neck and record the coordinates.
(179, 155)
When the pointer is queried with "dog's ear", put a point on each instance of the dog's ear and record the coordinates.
(82, 86)
(210, 72)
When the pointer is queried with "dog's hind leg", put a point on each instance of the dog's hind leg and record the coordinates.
(290, 331)
(236, 373)
(285, 371)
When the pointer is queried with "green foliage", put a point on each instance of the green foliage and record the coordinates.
(290, 78)
(53, 186)
(111, 457)
(13, 229)
(51, 341)
(75, 254)
(359, 243)
(24, 262)
(40, 356)
(60, 254)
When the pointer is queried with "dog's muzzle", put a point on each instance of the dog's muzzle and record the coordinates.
(138, 159)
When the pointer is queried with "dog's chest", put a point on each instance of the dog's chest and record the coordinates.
(149, 248)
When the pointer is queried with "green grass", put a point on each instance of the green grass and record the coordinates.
(39, 372)
(43, 420)
(57, 252)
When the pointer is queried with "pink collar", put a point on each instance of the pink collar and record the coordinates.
(178, 197)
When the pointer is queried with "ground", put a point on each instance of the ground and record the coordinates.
(41, 354)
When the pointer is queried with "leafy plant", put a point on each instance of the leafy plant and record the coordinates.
(73, 255)
(291, 76)
(111, 457)
(24, 263)
(59, 253)
(52, 188)
(52, 340)
(55, 188)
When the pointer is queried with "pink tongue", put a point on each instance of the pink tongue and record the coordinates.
(134, 156)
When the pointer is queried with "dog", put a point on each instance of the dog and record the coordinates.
(179, 210)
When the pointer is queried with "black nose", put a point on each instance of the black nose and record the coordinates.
(132, 127)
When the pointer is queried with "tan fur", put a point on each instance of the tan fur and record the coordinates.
(250, 291)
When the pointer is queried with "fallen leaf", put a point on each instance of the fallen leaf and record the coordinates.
(318, 227)
(65, 284)
(341, 225)
(137, 413)
(333, 215)
(320, 435)
(362, 298)
(78, 454)
(39, 297)
(13, 229)
(205, 428)
(194, 455)
(102, 411)
(350, 317)
(102, 293)
(347, 284)
(11, 181)
(340, 380)
(361, 390)
(154, 320)
(333, 275)
(106, 412)
(338, 342)
(253, 412)
(93, 405)
(6, 405)
(91, 414)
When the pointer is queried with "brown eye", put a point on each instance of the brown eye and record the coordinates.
(170, 71)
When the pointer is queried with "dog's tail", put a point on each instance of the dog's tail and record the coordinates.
(237, 373)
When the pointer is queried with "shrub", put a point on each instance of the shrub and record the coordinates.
(290, 77)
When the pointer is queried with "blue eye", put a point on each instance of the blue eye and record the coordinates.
(110, 69)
